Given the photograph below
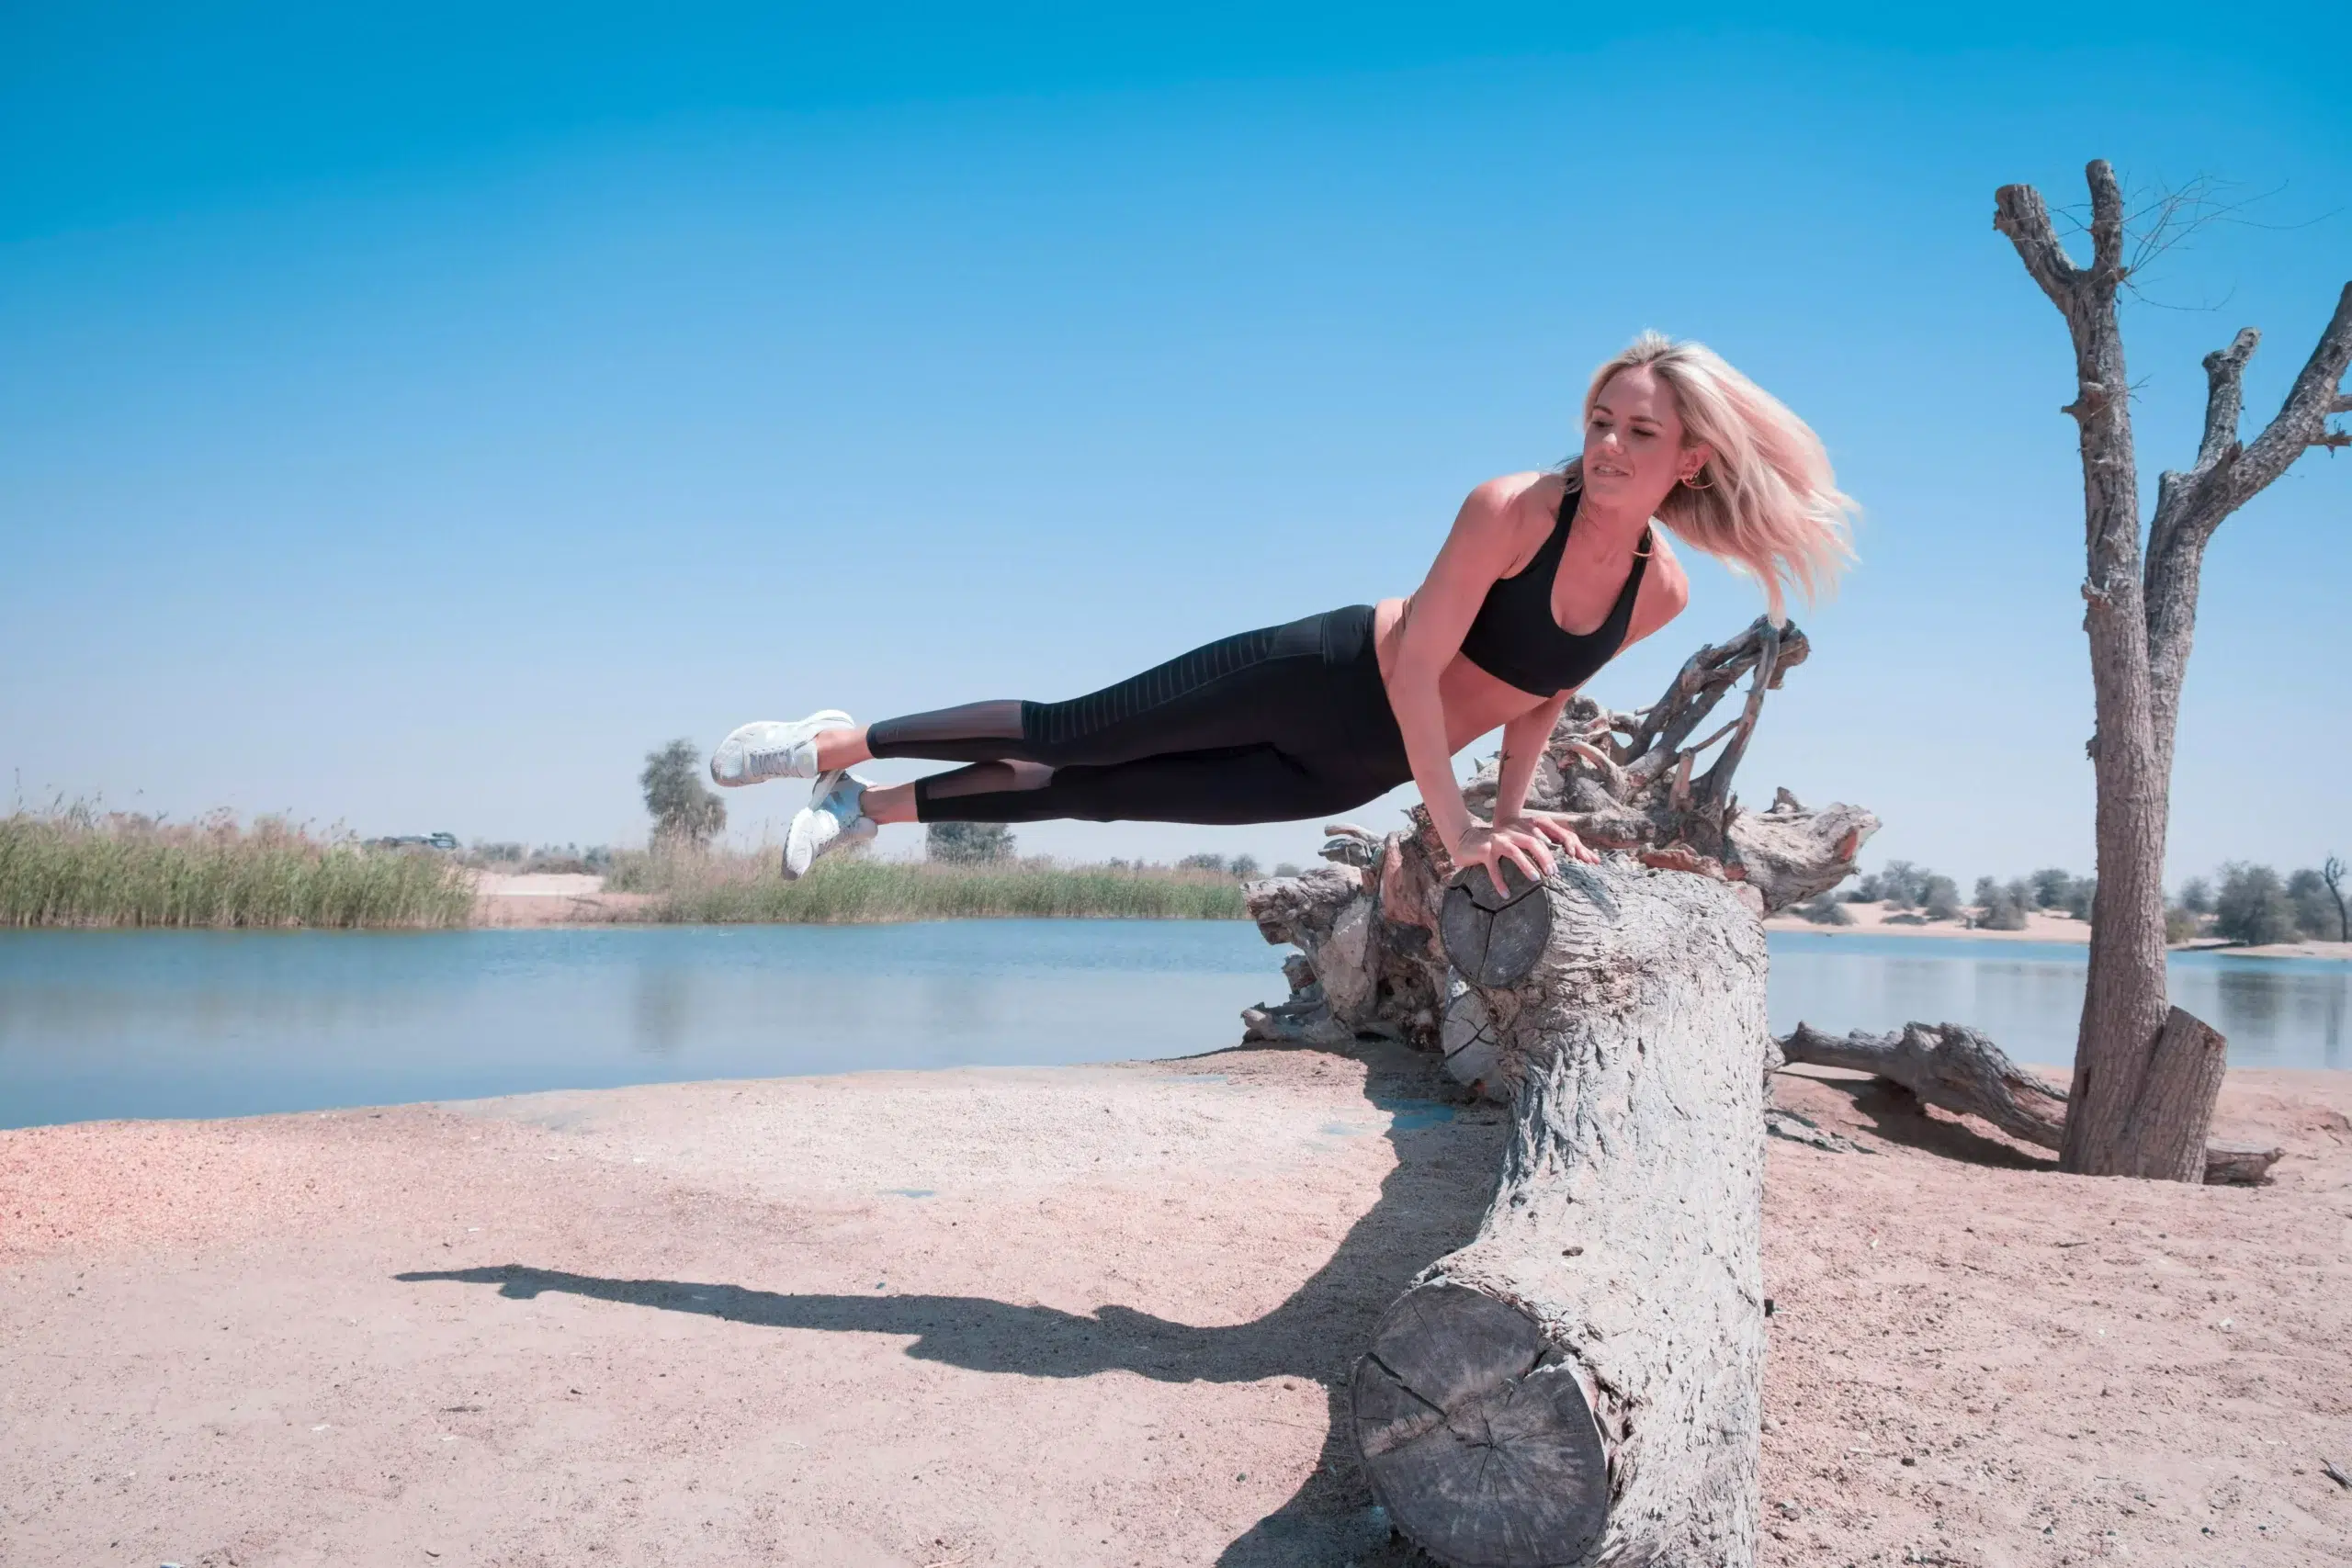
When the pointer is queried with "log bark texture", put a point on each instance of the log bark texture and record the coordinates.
(1955, 1068)
(2140, 615)
(1580, 1383)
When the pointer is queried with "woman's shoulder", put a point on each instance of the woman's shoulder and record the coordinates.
(1516, 501)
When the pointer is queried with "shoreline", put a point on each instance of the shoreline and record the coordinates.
(1875, 919)
(690, 1322)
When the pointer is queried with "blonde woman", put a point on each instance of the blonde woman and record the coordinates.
(1544, 578)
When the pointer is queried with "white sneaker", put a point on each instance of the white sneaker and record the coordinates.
(767, 749)
(833, 816)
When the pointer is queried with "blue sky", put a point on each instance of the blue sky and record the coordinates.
(409, 420)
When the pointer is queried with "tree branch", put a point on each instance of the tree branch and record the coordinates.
(2020, 212)
(2106, 223)
(2301, 420)
(2225, 396)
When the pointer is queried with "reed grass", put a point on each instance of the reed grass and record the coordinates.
(742, 889)
(73, 867)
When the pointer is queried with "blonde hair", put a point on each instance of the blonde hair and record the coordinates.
(1767, 503)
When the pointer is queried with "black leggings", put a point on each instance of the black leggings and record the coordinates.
(1270, 726)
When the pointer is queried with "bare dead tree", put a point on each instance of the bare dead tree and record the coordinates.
(2142, 617)
(2332, 874)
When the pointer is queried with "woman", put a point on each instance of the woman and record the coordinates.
(1544, 578)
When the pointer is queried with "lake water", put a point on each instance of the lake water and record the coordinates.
(201, 1023)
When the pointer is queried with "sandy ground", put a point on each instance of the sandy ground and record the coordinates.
(1090, 1315)
(1877, 920)
(550, 898)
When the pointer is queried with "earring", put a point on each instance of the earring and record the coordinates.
(1691, 479)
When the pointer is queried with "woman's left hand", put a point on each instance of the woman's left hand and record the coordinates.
(1552, 824)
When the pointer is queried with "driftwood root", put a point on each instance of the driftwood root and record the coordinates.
(1955, 1068)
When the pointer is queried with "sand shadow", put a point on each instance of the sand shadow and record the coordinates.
(1429, 1203)
(1899, 1116)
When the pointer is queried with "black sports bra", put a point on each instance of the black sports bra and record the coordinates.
(1515, 638)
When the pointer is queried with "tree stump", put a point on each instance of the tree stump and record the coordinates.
(1582, 1383)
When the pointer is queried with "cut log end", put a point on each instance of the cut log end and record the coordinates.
(1495, 940)
(1477, 1435)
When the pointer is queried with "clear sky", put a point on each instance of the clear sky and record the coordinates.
(408, 417)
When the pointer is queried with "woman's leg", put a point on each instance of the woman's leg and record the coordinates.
(1257, 688)
(1234, 785)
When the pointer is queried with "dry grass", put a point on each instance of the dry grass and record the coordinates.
(76, 867)
(724, 889)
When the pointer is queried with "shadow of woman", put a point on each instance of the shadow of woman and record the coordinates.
(1429, 1203)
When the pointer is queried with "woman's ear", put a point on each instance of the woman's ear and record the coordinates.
(1695, 456)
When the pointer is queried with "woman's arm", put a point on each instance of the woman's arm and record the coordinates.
(1481, 548)
(1523, 741)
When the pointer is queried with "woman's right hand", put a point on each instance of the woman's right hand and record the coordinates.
(1513, 841)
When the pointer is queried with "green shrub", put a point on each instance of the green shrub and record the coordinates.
(76, 868)
(2252, 907)
(969, 843)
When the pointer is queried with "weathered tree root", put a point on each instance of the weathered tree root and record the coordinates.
(1368, 925)
(1955, 1068)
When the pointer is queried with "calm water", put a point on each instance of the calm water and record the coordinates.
(168, 1023)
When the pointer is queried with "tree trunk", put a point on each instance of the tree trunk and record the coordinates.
(2123, 1003)
(1580, 1383)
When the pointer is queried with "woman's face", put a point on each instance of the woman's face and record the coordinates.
(1634, 451)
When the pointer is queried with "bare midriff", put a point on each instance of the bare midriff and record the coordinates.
(1474, 701)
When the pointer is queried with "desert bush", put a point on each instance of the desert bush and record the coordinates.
(2197, 896)
(2252, 907)
(2183, 924)
(969, 843)
(2314, 906)
(1940, 898)
(1825, 910)
(2003, 904)
(76, 867)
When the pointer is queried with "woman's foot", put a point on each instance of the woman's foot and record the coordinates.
(835, 814)
(767, 749)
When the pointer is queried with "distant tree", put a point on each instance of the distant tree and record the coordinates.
(2253, 907)
(1202, 861)
(2197, 896)
(1243, 866)
(2182, 924)
(2316, 914)
(2051, 887)
(1902, 884)
(2332, 875)
(1866, 889)
(684, 811)
(1940, 898)
(1286, 868)
(2083, 897)
(968, 843)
